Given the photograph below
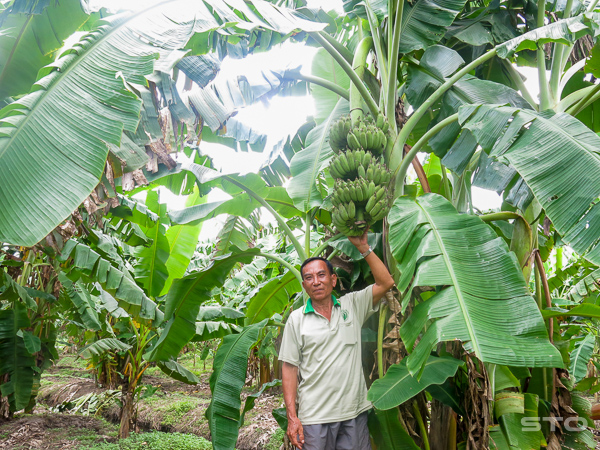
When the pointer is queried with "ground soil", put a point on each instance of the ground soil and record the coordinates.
(175, 407)
(52, 431)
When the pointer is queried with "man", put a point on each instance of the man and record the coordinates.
(321, 343)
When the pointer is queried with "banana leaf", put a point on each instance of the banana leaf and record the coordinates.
(15, 360)
(102, 346)
(88, 264)
(30, 38)
(308, 164)
(80, 104)
(399, 386)
(178, 372)
(565, 184)
(272, 297)
(183, 302)
(83, 302)
(226, 383)
(580, 357)
(481, 297)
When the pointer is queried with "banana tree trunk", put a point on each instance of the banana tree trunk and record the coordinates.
(126, 409)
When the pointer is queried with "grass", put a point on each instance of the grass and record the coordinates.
(155, 441)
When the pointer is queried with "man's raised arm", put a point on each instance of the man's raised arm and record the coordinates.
(383, 280)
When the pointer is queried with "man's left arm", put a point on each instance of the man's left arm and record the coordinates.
(383, 280)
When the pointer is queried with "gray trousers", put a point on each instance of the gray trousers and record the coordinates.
(352, 434)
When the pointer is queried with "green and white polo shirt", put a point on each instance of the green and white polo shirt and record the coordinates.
(328, 354)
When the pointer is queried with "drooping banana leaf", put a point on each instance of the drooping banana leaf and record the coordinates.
(182, 242)
(86, 262)
(226, 382)
(308, 164)
(242, 204)
(178, 372)
(15, 360)
(482, 299)
(271, 297)
(425, 22)
(83, 302)
(102, 346)
(30, 38)
(512, 420)
(580, 357)
(151, 262)
(324, 66)
(53, 142)
(399, 386)
(251, 399)
(183, 301)
(558, 158)
(586, 287)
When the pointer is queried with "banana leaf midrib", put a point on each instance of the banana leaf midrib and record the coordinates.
(455, 284)
(14, 48)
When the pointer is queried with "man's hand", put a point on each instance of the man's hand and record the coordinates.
(360, 242)
(295, 432)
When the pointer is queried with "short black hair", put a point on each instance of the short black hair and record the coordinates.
(317, 258)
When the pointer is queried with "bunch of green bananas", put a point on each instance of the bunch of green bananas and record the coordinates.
(367, 137)
(338, 134)
(350, 164)
(361, 195)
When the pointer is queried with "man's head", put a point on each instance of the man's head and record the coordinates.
(318, 278)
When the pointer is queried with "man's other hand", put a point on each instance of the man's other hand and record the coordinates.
(295, 432)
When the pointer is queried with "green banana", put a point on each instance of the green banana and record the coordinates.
(343, 212)
(382, 213)
(380, 193)
(344, 163)
(371, 189)
(367, 159)
(376, 209)
(353, 141)
(370, 203)
(380, 120)
(361, 171)
(351, 210)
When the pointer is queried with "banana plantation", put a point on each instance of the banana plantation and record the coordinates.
(489, 338)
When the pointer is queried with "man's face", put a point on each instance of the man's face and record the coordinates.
(317, 281)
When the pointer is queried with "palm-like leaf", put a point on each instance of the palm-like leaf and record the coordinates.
(485, 305)
(183, 301)
(536, 144)
(226, 382)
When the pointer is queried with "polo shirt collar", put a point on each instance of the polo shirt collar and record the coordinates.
(308, 308)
